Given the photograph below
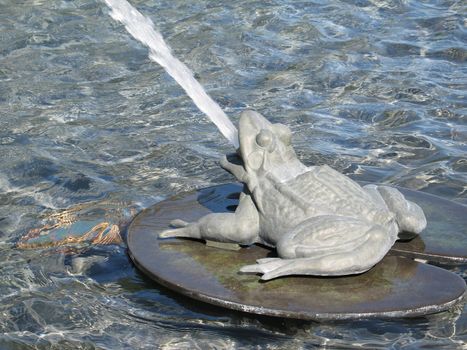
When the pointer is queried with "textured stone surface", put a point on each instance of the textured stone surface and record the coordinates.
(395, 287)
(321, 222)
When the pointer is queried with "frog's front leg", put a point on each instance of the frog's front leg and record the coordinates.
(409, 216)
(327, 245)
(234, 165)
(240, 227)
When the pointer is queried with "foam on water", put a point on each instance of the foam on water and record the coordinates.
(142, 29)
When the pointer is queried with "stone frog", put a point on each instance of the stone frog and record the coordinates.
(320, 221)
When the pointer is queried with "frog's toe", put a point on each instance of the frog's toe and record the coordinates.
(176, 231)
(178, 223)
(181, 229)
(286, 268)
(264, 260)
(255, 268)
(265, 266)
(172, 233)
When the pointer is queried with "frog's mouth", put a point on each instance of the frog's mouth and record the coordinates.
(249, 156)
(265, 151)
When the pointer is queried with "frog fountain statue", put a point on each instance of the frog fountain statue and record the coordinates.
(320, 221)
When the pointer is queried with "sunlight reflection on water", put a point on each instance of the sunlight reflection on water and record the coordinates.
(375, 89)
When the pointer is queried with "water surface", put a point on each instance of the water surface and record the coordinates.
(375, 89)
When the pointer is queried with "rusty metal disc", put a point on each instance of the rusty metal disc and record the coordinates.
(395, 287)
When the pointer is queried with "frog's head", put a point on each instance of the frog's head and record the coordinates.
(266, 147)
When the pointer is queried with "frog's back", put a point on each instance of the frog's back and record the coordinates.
(325, 191)
(317, 191)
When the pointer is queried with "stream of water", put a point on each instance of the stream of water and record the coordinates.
(142, 29)
(90, 124)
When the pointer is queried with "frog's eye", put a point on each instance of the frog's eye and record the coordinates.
(264, 138)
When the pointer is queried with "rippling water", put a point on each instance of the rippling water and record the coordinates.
(142, 29)
(373, 88)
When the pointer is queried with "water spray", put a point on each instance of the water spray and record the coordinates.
(142, 29)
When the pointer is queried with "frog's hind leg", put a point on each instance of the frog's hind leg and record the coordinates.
(409, 216)
(240, 227)
(327, 245)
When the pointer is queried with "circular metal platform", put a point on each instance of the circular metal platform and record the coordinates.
(395, 287)
(444, 240)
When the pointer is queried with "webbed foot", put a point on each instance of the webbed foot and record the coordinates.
(268, 267)
(181, 229)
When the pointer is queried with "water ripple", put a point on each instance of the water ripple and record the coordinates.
(374, 88)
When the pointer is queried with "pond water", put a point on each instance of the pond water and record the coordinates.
(375, 89)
